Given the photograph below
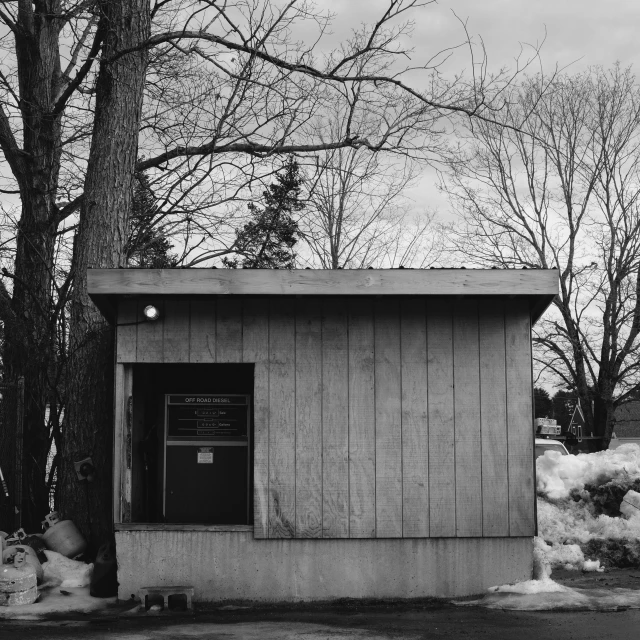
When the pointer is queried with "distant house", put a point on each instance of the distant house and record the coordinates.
(627, 428)
(628, 420)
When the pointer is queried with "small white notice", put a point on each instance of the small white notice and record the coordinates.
(205, 456)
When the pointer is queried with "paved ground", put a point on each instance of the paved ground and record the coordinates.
(356, 620)
(430, 622)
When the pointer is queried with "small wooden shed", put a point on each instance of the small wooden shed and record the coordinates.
(292, 435)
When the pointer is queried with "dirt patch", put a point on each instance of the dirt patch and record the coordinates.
(606, 498)
(612, 554)
(610, 579)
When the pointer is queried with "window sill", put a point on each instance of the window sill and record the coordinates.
(162, 526)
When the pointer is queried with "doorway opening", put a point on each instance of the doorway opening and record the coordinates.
(191, 444)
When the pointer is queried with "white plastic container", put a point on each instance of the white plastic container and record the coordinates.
(17, 585)
(31, 558)
(63, 536)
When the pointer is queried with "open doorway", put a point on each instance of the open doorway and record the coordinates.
(191, 448)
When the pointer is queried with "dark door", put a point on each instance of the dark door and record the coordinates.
(206, 485)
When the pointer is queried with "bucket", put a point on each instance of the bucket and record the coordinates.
(63, 536)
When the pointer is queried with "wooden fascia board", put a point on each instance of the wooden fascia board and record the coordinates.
(537, 282)
(106, 286)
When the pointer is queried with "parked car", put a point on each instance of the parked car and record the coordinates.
(543, 444)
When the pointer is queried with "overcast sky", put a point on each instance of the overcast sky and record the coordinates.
(577, 34)
(586, 31)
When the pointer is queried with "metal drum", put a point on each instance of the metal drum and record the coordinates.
(30, 557)
(17, 584)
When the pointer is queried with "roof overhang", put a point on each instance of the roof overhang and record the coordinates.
(107, 285)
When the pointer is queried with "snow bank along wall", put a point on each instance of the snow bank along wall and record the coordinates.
(391, 442)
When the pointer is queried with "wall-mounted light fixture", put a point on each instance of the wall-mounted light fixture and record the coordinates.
(151, 313)
(85, 469)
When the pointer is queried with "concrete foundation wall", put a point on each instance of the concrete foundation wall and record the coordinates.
(234, 566)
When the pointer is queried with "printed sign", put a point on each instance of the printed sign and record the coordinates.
(206, 400)
(205, 455)
(192, 417)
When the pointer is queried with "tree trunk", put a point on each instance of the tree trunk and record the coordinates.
(29, 341)
(99, 244)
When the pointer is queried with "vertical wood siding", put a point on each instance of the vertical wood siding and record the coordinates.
(388, 420)
(442, 460)
(309, 494)
(466, 417)
(282, 415)
(373, 417)
(415, 420)
(255, 348)
(362, 421)
(335, 421)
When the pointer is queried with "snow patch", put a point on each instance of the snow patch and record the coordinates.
(53, 600)
(66, 572)
(543, 597)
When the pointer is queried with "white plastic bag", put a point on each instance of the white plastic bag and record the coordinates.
(630, 505)
(70, 573)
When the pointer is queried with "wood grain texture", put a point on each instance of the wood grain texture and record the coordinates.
(150, 335)
(126, 331)
(468, 442)
(322, 282)
(362, 420)
(122, 443)
(176, 330)
(519, 420)
(118, 440)
(335, 420)
(202, 334)
(493, 411)
(140, 510)
(282, 430)
(229, 330)
(388, 419)
(161, 526)
(255, 346)
(415, 420)
(308, 418)
(442, 477)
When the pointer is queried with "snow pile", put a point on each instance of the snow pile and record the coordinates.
(544, 594)
(588, 512)
(559, 476)
(66, 572)
(52, 600)
(588, 516)
(567, 556)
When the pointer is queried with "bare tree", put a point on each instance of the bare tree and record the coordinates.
(563, 193)
(358, 212)
(200, 94)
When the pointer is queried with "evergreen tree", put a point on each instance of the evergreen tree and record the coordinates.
(147, 247)
(543, 403)
(267, 240)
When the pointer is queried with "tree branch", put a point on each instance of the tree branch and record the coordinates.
(61, 102)
(12, 152)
